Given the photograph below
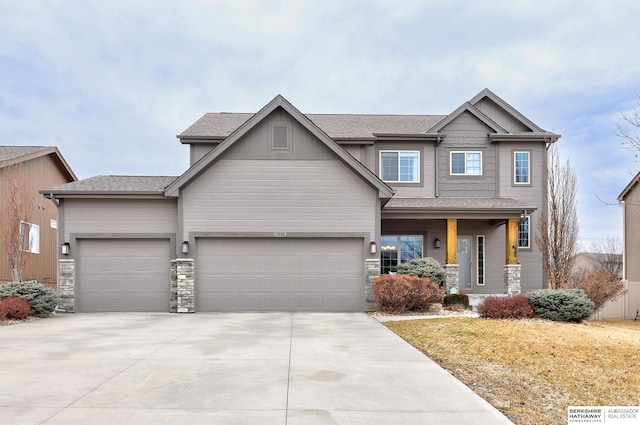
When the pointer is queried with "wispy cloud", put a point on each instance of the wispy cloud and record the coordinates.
(112, 83)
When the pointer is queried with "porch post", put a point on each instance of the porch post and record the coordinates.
(452, 281)
(511, 242)
(512, 266)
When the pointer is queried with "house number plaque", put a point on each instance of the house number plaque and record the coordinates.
(279, 234)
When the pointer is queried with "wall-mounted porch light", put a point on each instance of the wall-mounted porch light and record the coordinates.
(436, 243)
(65, 248)
(185, 247)
(373, 247)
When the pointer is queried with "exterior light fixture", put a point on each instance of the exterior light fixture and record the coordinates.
(436, 243)
(373, 248)
(65, 248)
(185, 247)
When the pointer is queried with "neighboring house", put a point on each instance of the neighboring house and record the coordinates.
(41, 166)
(285, 211)
(629, 198)
(585, 261)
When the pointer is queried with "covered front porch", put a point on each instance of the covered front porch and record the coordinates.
(476, 240)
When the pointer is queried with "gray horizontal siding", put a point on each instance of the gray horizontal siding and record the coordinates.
(467, 133)
(281, 195)
(119, 216)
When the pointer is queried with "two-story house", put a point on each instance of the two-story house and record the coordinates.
(285, 211)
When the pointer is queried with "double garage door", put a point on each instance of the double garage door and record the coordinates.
(279, 274)
(232, 274)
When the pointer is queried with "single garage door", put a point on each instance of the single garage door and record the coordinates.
(280, 274)
(123, 275)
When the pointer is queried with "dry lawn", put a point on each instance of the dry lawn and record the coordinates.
(533, 370)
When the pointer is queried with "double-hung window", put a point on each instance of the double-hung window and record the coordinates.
(466, 163)
(521, 168)
(400, 166)
(399, 249)
(524, 233)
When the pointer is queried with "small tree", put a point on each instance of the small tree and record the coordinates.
(558, 228)
(16, 208)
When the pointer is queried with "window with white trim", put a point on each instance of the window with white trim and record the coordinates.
(400, 166)
(524, 233)
(481, 259)
(396, 249)
(466, 163)
(30, 237)
(521, 167)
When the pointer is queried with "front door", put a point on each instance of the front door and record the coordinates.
(464, 262)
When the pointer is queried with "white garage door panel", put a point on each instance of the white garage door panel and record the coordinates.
(280, 274)
(123, 275)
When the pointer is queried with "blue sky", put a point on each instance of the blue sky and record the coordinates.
(112, 82)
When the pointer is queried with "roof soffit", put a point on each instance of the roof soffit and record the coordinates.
(278, 102)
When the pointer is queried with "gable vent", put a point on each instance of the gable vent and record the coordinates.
(280, 136)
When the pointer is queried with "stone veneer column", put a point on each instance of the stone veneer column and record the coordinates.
(182, 286)
(67, 285)
(372, 272)
(452, 281)
(512, 278)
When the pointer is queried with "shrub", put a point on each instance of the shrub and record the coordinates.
(453, 299)
(512, 307)
(42, 300)
(599, 285)
(401, 293)
(424, 267)
(562, 305)
(14, 308)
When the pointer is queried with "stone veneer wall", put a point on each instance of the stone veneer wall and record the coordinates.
(182, 286)
(372, 272)
(512, 278)
(452, 281)
(67, 285)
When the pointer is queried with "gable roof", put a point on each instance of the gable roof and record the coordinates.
(279, 101)
(468, 107)
(632, 184)
(11, 155)
(220, 125)
(112, 185)
(508, 108)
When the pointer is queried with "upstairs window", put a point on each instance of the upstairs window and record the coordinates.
(400, 166)
(521, 167)
(29, 237)
(466, 163)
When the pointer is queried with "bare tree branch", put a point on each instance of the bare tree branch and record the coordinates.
(17, 207)
(558, 229)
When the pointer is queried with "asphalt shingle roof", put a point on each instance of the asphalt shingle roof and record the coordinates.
(221, 125)
(8, 153)
(117, 184)
(456, 203)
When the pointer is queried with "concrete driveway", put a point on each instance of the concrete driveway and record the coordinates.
(257, 368)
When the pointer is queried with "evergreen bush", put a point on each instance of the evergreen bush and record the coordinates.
(43, 300)
(424, 267)
(561, 305)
